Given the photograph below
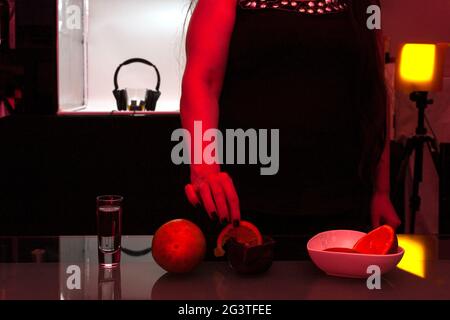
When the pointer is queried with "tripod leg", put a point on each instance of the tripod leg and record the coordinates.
(434, 151)
(415, 199)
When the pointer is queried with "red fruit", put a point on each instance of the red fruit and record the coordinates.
(246, 233)
(178, 246)
(382, 240)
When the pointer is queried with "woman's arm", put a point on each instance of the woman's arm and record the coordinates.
(207, 44)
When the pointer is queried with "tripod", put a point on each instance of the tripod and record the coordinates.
(416, 144)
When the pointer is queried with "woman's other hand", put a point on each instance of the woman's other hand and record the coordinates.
(215, 191)
(383, 211)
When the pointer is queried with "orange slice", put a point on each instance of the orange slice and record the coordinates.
(382, 240)
(246, 233)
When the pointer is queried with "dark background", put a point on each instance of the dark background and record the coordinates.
(53, 167)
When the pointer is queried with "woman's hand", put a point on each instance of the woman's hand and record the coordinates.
(383, 211)
(216, 192)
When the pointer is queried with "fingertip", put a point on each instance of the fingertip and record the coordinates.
(188, 188)
(192, 196)
(207, 200)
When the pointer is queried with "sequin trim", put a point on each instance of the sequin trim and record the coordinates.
(311, 7)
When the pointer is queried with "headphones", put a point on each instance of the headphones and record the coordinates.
(151, 96)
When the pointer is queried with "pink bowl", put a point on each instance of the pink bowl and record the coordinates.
(343, 264)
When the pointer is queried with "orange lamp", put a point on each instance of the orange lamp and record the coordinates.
(421, 67)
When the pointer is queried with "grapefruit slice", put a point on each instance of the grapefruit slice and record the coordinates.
(246, 233)
(382, 240)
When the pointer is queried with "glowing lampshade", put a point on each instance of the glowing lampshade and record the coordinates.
(417, 62)
(420, 67)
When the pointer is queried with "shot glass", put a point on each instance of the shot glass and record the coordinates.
(109, 230)
(109, 284)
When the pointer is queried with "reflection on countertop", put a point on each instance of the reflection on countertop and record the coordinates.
(66, 268)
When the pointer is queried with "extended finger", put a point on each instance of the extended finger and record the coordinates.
(232, 198)
(393, 221)
(191, 195)
(219, 199)
(207, 199)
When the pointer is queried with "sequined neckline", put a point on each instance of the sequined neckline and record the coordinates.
(311, 7)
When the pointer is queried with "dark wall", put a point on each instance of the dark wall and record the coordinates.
(54, 167)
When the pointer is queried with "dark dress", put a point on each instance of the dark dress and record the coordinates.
(296, 72)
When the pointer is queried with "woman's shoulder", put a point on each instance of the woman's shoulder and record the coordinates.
(221, 6)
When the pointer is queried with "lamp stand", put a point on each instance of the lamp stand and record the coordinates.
(416, 144)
